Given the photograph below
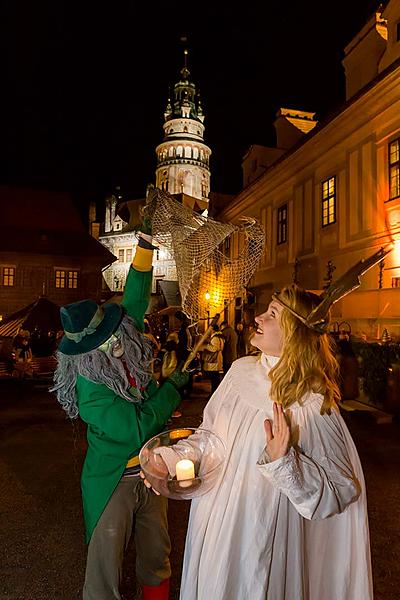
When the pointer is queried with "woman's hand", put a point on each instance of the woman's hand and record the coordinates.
(277, 434)
(156, 466)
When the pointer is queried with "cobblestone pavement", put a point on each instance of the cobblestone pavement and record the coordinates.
(42, 552)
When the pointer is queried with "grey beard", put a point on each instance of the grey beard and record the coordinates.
(104, 369)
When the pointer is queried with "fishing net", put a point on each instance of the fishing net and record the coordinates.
(208, 277)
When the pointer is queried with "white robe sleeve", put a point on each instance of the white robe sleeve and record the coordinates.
(316, 475)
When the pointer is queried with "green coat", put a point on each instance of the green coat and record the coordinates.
(116, 428)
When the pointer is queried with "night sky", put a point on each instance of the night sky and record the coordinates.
(85, 84)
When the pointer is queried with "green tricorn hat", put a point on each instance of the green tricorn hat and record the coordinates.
(87, 325)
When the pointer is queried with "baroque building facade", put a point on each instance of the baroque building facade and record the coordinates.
(329, 194)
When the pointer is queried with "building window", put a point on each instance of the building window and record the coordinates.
(282, 224)
(72, 280)
(121, 255)
(395, 282)
(394, 169)
(60, 278)
(329, 201)
(129, 255)
(8, 276)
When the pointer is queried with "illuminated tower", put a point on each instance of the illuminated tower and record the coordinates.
(183, 157)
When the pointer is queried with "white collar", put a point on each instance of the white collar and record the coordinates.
(269, 361)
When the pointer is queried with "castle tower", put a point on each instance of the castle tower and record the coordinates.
(183, 157)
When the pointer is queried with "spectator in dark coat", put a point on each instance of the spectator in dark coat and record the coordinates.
(229, 353)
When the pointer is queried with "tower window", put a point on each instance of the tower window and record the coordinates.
(179, 151)
(394, 169)
(282, 224)
(195, 153)
(329, 201)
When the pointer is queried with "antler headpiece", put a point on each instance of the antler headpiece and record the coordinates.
(318, 318)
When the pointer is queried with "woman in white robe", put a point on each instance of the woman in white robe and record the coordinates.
(286, 520)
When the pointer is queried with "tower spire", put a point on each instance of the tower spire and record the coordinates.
(183, 157)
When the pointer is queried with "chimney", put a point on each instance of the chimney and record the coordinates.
(363, 54)
(291, 125)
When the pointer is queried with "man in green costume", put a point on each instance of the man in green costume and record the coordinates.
(104, 376)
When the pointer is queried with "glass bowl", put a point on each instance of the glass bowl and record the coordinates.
(183, 481)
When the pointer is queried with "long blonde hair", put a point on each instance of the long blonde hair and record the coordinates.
(307, 362)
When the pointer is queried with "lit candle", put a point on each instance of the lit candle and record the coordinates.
(184, 472)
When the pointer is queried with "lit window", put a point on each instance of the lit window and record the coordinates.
(282, 224)
(72, 280)
(394, 169)
(129, 255)
(60, 278)
(329, 201)
(8, 276)
(179, 151)
(121, 255)
(395, 282)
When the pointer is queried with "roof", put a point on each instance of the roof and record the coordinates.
(43, 314)
(44, 222)
(52, 242)
(39, 209)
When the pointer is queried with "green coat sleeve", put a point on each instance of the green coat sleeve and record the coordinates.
(137, 294)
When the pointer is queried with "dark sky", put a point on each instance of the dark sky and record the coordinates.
(85, 84)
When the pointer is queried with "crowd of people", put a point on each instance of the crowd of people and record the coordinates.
(214, 358)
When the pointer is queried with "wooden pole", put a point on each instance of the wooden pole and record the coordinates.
(201, 341)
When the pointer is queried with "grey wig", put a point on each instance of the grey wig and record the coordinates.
(101, 367)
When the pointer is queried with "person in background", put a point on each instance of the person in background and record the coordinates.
(155, 344)
(212, 358)
(164, 330)
(23, 355)
(170, 362)
(248, 336)
(287, 519)
(240, 344)
(229, 352)
(104, 376)
(184, 347)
